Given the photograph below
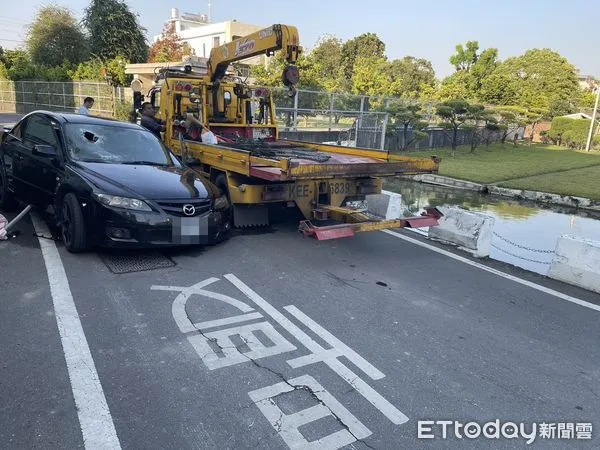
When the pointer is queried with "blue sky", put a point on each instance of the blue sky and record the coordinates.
(423, 29)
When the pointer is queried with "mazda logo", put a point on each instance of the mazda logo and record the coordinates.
(189, 210)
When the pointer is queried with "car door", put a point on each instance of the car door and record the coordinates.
(37, 174)
(12, 148)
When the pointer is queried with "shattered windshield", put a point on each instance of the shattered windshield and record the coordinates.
(114, 145)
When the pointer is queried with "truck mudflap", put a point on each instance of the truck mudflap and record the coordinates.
(359, 222)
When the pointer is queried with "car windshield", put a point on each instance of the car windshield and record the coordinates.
(114, 144)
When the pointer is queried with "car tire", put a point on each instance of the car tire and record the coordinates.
(7, 202)
(221, 183)
(73, 230)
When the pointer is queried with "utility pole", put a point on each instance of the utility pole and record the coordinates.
(589, 140)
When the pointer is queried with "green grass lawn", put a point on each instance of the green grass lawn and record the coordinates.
(577, 182)
(534, 167)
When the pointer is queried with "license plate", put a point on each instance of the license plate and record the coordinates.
(190, 230)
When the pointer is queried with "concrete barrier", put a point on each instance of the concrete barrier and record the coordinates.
(470, 231)
(387, 205)
(577, 261)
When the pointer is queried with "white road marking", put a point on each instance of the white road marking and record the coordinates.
(230, 354)
(376, 399)
(530, 284)
(358, 360)
(287, 424)
(95, 420)
(227, 321)
(178, 308)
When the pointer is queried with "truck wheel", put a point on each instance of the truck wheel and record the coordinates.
(221, 183)
(7, 203)
(74, 233)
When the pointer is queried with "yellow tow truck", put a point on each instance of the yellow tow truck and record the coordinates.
(248, 160)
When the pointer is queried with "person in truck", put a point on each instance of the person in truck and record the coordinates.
(150, 122)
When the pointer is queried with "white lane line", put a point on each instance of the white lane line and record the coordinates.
(530, 284)
(95, 420)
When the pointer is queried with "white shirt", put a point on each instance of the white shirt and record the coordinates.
(83, 110)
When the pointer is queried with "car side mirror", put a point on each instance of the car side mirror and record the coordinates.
(6, 129)
(44, 150)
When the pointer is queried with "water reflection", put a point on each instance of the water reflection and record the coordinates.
(525, 234)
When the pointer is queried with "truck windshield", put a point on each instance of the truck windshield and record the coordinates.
(115, 145)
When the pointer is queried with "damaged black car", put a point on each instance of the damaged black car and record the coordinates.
(108, 183)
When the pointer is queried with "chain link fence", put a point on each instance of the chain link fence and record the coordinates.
(23, 97)
(315, 116)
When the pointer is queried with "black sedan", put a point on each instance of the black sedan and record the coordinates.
(108, 183)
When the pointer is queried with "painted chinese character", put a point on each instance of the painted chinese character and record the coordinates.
(547, 430)
(566, 431)
(584, 430)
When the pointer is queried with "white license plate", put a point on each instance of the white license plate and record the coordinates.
(189, 230)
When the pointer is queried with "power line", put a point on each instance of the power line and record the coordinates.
(13, 40)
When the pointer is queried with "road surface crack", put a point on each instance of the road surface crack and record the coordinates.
(311, 392)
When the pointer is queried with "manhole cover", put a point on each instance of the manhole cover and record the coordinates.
(136, 262)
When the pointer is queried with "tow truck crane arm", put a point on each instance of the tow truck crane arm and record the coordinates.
(266, 41)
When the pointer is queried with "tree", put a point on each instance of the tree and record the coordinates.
(456, 86)
(510, 119)
(325, 62)
(168, 48)
(370, 76)
(465, 56)
(406, 116)
(365, 45)
(93, 70)
(55, 37)
(535, 79)
(114, 30)
(479, 115)
(454, 113)
(411, 76)
(485, 65)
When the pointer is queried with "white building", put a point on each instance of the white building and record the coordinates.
(203, 36)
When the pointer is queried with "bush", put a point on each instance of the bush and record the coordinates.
(123, 111)
(570, 132)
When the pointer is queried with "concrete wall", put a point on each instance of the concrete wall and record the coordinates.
(468, 230)
(577, 261)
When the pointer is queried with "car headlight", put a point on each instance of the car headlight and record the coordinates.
(123, 202)
(221, 202)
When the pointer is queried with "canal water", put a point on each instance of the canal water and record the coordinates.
(525, 233)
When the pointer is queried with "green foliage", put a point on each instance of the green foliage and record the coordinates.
(325, 65)
(559, 126)
(484, 66)
(465, 56)
(536, 79)
(586, 99)
(404, 116)
(114, 30)
(124, 111)
(560, 107)
(366, 45)
(454, 87)
(571, 132)
(55, 37)
(576, 136)
(454, 113)
(410, 77)
(370, 76)
(91, 70)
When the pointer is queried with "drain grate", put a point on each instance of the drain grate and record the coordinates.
(136, 262)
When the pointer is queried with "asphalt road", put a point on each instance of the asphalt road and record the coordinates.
(398, 333)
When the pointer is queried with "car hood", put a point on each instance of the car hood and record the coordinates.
(148, 182)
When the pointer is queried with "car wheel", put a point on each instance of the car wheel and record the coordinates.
(74, 233)
(223, 234)
(7, 203)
